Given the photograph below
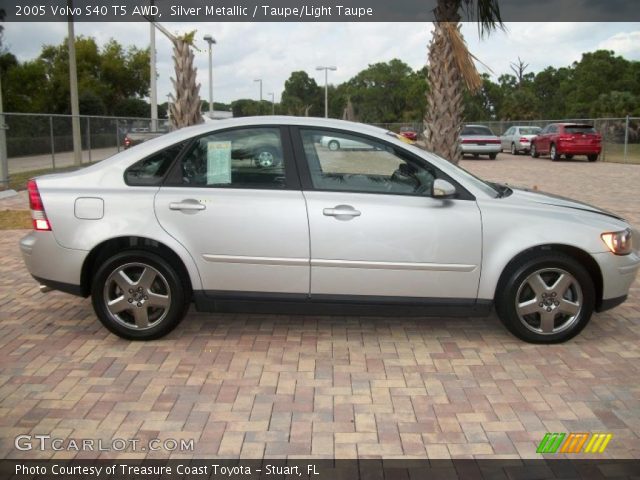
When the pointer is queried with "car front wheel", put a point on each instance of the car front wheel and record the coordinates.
(534, 151)
(546, 299)
(138, 295)
(553, 153)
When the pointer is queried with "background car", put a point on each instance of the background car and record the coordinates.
(337, 143)
(568, 140)
(479, 140)
(189, 217)
(409, 132)
(518, 139)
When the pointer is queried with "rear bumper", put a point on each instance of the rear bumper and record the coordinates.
(563, 149)
(480, 149)
(50, 264)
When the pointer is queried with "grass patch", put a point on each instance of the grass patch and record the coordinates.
(18, 181)
(15, 219)
(614, 152)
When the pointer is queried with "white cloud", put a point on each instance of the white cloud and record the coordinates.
(626, 44)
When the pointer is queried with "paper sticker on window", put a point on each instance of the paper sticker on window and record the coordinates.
(218, 163)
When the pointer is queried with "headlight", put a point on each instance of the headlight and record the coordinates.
(618, 242)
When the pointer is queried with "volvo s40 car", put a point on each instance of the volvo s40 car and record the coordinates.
(189, 217)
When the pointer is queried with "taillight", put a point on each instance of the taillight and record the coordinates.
(127, 141)
(565, 138)
(524, 140)
(39, 217)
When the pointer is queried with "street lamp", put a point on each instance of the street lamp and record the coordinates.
(326, 94)
(273, 103)
(211, 41)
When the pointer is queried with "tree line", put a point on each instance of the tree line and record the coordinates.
(114, 80)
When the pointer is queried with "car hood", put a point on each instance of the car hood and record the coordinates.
(530, 196)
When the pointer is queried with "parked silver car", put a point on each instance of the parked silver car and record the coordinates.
(518, 139)
(479, 140)
(390, 230)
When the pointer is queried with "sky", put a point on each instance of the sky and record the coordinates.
(271, 51)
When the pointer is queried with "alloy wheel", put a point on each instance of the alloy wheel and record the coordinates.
(549, 301)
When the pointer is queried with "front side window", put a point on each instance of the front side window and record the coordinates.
(241, 158)
(344, 162)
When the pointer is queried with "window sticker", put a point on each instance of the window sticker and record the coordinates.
(218, 163)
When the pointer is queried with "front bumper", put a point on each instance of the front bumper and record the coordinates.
(618, 273)
(50, 264)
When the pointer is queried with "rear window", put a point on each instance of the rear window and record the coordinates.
(476, 131)
(579, 129)
(529, 130)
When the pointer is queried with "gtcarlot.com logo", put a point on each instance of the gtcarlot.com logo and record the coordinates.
(574, 443)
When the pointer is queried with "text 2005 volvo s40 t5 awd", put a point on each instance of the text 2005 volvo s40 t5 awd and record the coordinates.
(256, 214)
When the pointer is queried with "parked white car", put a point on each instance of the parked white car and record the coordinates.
(518, 139)
(479, 140)
(190, 217)
(344, 143)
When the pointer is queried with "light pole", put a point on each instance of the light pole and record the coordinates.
(273, 103)
(73, 87)
(326, 84)
(211, 41)
(260, 104)
(153, 91)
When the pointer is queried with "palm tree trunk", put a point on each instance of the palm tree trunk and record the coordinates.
(185, 107)
(445, 109)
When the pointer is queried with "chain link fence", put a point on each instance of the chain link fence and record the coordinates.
(44, 141)
(620, 136)
(38, 142)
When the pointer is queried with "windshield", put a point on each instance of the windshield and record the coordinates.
(476, 130)
(479, 183)
(530, 130)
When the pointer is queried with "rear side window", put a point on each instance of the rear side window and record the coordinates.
(479, 130)
(579, 129)
(151, 170)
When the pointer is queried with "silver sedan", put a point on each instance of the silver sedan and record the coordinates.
(518, 139)
(388, 229)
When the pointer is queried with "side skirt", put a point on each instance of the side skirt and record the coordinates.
(298, 304)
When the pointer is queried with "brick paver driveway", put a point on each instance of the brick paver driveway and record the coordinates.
(253, 385)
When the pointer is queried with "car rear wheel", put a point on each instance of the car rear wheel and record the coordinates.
(138, 295)
(514, 150)
(492, 156)
(266, 157)
(592, 158)
(553, 153)
(334, 145)
(568, 157)
(534, 151)
(546, 299)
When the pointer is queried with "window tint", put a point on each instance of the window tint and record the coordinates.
(150, 171)
(509, 132)
(477, 130)
(248, 157)
(346, 162)
(579, 129)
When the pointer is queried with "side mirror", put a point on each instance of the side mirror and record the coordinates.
(442, 189)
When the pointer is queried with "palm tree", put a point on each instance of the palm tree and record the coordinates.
(451, 70)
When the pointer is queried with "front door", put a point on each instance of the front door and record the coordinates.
(234, 202)
(375, 229)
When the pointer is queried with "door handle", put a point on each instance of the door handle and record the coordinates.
(189, 204)
(341, 212)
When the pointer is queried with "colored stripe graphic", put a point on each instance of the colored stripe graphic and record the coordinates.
(550, 443)
(574, 443)
(598, 443)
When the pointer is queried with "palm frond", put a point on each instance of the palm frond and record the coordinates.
(462, 57)
(486, 14)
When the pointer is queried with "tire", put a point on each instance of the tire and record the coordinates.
(476, 156)
(492, 156)
(566, 308)
(534, 151)
(568, 157)
(592, 158)
(514, 151)
(553, 153)
(153, 296)
(334, 145)
(267, 157)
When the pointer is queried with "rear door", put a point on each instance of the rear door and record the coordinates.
(233, 200)
(507, 138)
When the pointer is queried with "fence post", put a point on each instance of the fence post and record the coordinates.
(626, 138)
(53, 145)
(89, 137)
(117, 136)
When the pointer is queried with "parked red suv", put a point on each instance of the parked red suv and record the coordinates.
(567, 139)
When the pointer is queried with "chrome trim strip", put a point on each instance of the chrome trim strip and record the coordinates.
(304, 262)
(444, 267)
